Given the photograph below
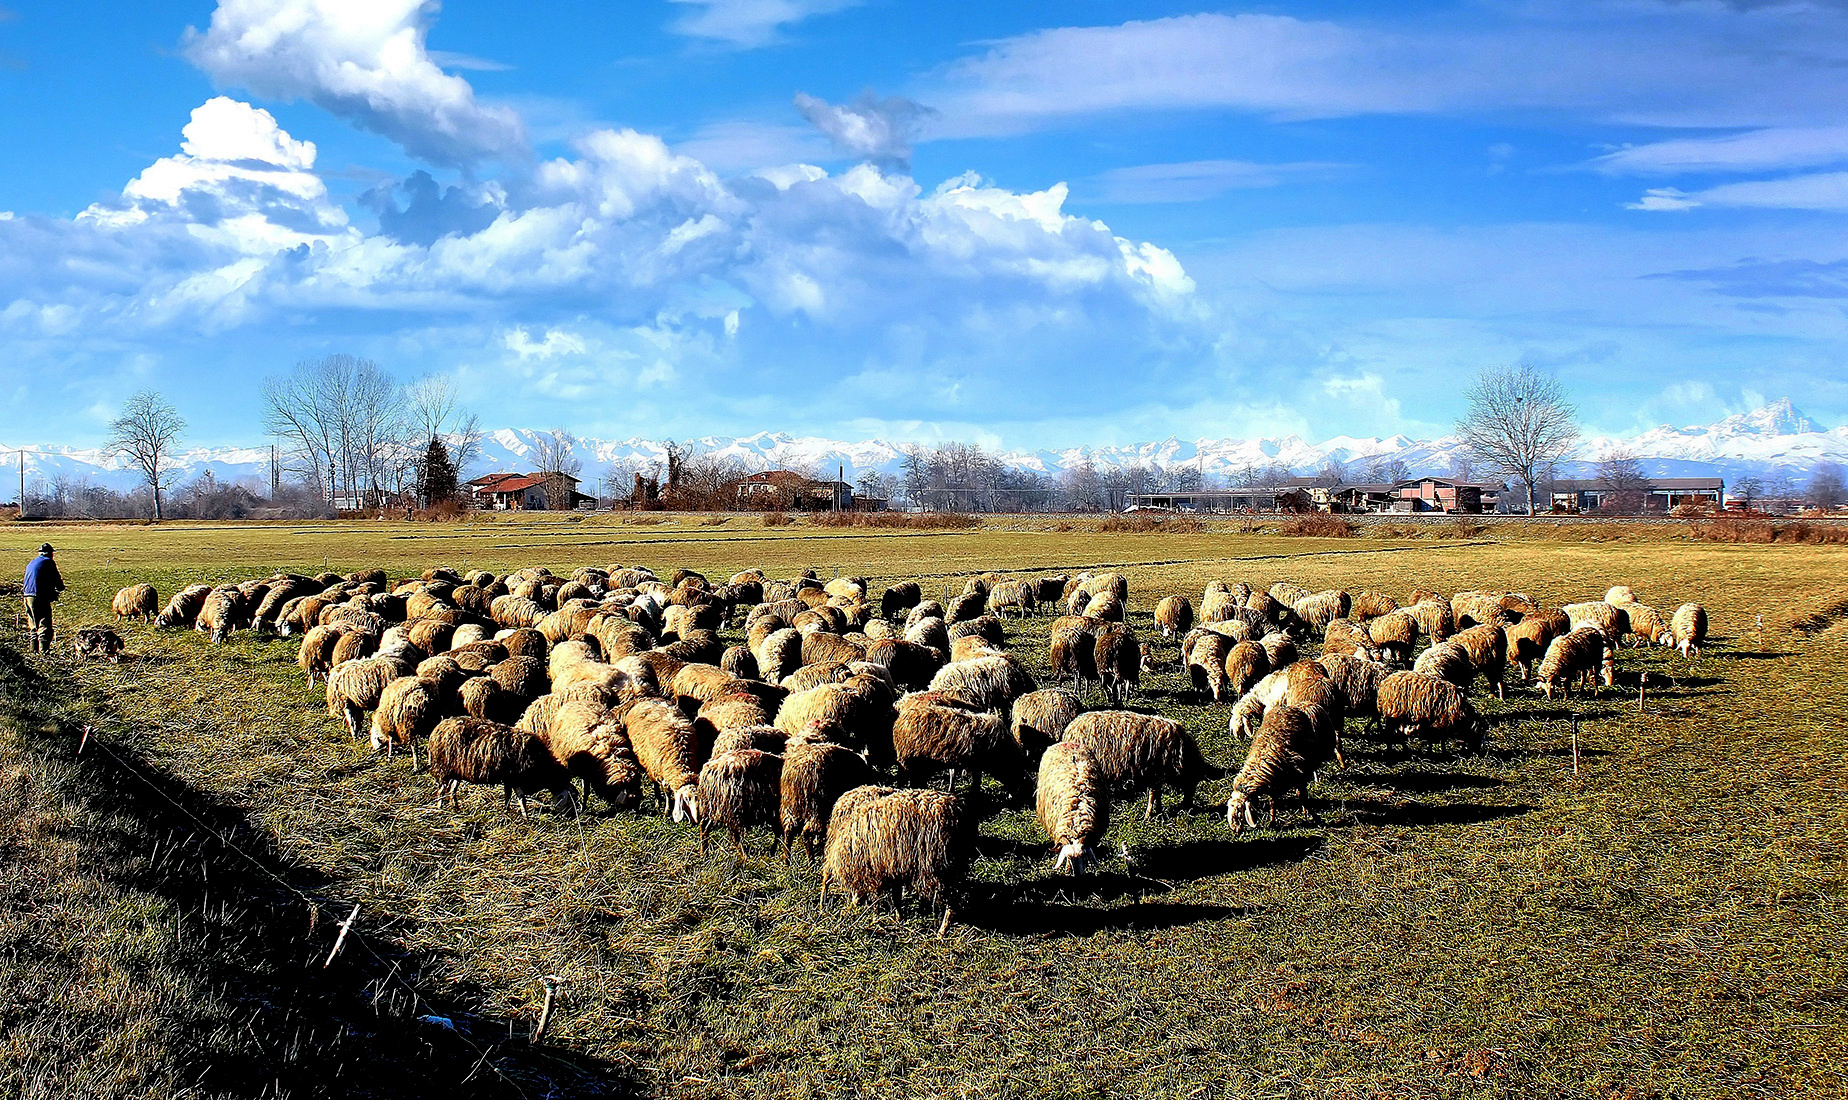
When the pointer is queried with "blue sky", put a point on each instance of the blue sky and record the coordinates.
(1027, 224)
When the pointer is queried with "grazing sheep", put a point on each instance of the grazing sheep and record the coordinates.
(1280, 649)
(668, 748)
(1040, 718)
(971, 646)
(809, 677)
(352, 645)
(1142, 750)
(1619, 594)
(967, 606)
(1016, 595)
(484, 697)
(932, 632)
(986, 627)
(737, 661)
(1218, 604)
(856, 712)
(1288, 594)
(1354, 645)
(1613, 621)
(779, 654)
(1371, 605)
(1104, 606)
(223, 612)
(1073, 803)
(1319, 610)
(930, 738)
(729, 712)
(1233, 630)
(1526, 641)
(1449, 662)
(739, 790)
(1434, 618)
(1284, 756)
(882, 839)
(1119, 661)
(474, 750)
(1487, 648)
(315, 656)
(523, 677)
(1395, 634)
(1175, 615)
(924, 609)
(354, 688)
(762, 738)
(1245, 664)
(822, 649)
(815, 776)
(1576, 655)
(1688, 629)
(137, 601)
(902, 596)
(1206, 664)
(407, 710)
(1413, 703)
(1647, 626)
(527, 642)
(1357, 682)
(590, 743)
(911, 665)
(1073, 648)
(987, 682)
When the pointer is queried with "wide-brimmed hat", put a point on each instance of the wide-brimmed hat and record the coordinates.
(44, 547)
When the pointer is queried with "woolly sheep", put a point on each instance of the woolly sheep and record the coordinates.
(1413, 703)
(1323, 608)
(1015, 595)
(1434, 618)
(484, 697)
(1487, 648)
(1119, 661)
(1613, 621)
(667, 747)
(1245, 664)
(1357, 682)
(883, 839)
(1174, 615)
(764, 738)
(988, 682)
(930, 738)
(1206, 664)
(1619, 594)
(315, 655)
(1688, 628)
(1447, 661)
(778, 655)
(1371, 605)
(1218, 605)
(1040, 717)
(1280, 649)
(1526, 641)
(474, 750)
(815, 775)
(1647, 626)
(1142, 750)
(1073, 804)
(1105, 606)
(137, 601)
(857, 712)
(902, 596)
(407, 710)
(924, 609)
(355, 687)
(739, 790)
(1576, 655)
(1073, 650)
(223, 612)
(1284, 756)
(910, 664)
(1395, 634)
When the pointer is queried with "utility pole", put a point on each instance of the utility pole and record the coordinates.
(840, 475)
(22, 483)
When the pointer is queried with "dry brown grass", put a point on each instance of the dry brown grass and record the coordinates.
(1319, 525)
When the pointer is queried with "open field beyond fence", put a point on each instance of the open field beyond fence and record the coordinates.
(1668, 922)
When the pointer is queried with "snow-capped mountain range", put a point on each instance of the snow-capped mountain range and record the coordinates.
(1775, 439)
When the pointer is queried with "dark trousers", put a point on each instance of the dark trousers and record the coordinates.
(38, 614)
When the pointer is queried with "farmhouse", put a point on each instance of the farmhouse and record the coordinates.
(1251, 498)
(778, 489)
(504, 492)
(1663, 494)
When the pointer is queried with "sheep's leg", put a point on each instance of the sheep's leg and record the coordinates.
(945, 926)
(1154, 806)
(738, 842)
(702, 838)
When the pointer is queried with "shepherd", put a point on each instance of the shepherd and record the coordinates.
(43, 586)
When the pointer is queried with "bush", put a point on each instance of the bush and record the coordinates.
(776, 519)
(1144, 522)
(924, 521)
(1318, 525)
(1461, 529)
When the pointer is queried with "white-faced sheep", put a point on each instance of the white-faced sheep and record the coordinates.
(815, 775)
(739, 790)
(1575, 655)
(1284, 755)
(474, 750)
(1073, 803)
(1142, 750)
(778, 655)
(883, 839)
(668, 748)
(987, 682)
(137, 601)
(1412, 703)
(1688, 629)
(1040, 717)
(929, 738)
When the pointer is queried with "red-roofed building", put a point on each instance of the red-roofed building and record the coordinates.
(506, 492)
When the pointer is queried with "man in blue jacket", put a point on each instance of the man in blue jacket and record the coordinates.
(43, 585)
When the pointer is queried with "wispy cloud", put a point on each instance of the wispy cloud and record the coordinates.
(1817, 191)
(1757, 150)
(1197, 180)
(748, 24)
(871, 129)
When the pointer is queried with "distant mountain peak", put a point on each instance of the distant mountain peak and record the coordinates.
(1779, 417)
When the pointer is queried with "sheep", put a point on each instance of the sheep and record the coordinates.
(1357, 682)
(902, 596)
(1104, 606)
(1206, 664)
(815, 776)
(1322, 608)
(1613, 621)
(1233, 630)
(590, 743)
(1119, 661)
(967, 606)
(1647, 626)
(1619, 594)
(354, 687)
(1487, 648)
(1175, 615)
(1469, 609)
(821, 649)
(1576, 655)
(527, 642)
(1218, 605)
(738, 790)
(1284, 756)
(1040, 718)
(1447, 661)
(1688, 629)
(878, 630)
(1411, 702)
(1371, 605)
(1017, 595)
(1395, 634)
(1280, 649)
(932, 632)
(668, 748)
(1245, 664)
(971, 646)
(1073, 650)
(910, 664)
(930, 738)
(1421, 595)
(315, 656)
(988, 682)
(1050, 589)
(1142, 750)
(1073, 805)
(270, 609)
(475, 750)
(824, 619)
(137, 601)
(856, 712)
(484, 697)
(779, 654)
(1526, 641)
(1354, 645)
(983, 626)
(523, 677)
(924, 609)
(224, 611)
(882, 839)
(697, 647)
(728, 712)
(765, 738)
(1288, 594)
(1247, 713)
(407, 710)
(1434, 618)
(352, 645)
(813, 676)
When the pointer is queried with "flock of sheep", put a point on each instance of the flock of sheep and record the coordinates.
(613, 677)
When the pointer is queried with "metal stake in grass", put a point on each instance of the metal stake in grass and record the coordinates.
(1642, 689)
(552, 982)
(340, 940)
(1575, 770)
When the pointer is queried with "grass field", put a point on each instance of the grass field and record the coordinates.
(1668, 922)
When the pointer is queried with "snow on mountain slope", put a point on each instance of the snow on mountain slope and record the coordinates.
(1775, 438)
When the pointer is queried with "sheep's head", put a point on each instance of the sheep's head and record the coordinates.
(1238, 812)
(220, 631)
(686, 804)
(619, 795)
(1077, 855)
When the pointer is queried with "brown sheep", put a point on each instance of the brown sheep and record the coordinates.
(1688, 629)
(924, 609)
(1073, 804)
(407, 710)
(927, 739)
(967, 606)
(987, 627)
(523, 677)
(355, 687)
(1526, 641)
(902, 596)
(809, 677)
(1413, 703)
(815, 776)
(1575, 655)
(668, 748)
(484, 697)
(1142, 750)
(315, 656)
(1449, 662)
(987, 682)
(1280, 649)
(1104, 606)
(475, 750)
(590, 743)
(1434, 618)
(1073, 650)
(739, 790)
(823, 649)
(1395, 634)
(882, 839)
(1245, 664)
(1218, 604)
(737, 661)
(1469, 609)
(1647, 626)
(1487, 647)
(224, 611)
(930, 631)
(137, 601)
(1284, 756)
(911, 665)
(1206, 664)
(1357, 682)
(779, 654)
(1119, 661)
(1175, 615)
(352, 645)
(728, 712)
(761, 738)
(1040, 718)
(1371, 605)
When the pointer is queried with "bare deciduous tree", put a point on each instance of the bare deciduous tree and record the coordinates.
(1519, 421)
(1388, 471)
(556, 463)
(1826, 487)
(1332, 473)
(146, 432)
(345, 424)
(1620, 475)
